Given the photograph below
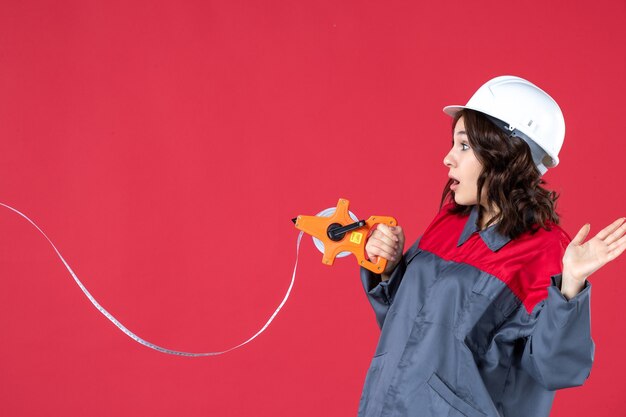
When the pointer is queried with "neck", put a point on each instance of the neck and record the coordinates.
(488, 214)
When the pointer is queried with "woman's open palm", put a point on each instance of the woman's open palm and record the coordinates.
(583, 259)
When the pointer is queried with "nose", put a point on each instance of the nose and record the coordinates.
(448, 160)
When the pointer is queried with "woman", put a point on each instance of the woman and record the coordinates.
(487, 314)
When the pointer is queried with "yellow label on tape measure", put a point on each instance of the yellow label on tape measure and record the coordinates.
(356, 237)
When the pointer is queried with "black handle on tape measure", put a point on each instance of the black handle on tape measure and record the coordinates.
(336, 232)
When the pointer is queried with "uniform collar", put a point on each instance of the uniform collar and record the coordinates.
(490, 235)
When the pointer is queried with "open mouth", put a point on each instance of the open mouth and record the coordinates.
(454, 184)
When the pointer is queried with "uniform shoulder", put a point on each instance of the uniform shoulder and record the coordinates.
(539, 256)
(552, 237)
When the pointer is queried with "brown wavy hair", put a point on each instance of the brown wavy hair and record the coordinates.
(514, 184)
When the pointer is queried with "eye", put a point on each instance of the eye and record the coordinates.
(464, 146)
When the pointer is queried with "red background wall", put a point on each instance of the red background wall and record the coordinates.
(164, 146)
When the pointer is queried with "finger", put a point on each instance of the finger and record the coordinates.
(618, 250)
(398, 232)
(383, 250)
(581, 235)
(378, 242)
(386, 230)
(396, 229)
(370, 252)
(610, 228)
(618, 233)
(384, 238)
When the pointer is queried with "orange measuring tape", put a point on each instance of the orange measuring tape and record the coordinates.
(341, 233)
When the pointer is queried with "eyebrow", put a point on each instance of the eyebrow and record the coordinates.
(461, 132)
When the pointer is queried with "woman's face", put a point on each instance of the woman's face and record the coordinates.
(464, 168)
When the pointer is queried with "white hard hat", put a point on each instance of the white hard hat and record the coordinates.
(524, 110)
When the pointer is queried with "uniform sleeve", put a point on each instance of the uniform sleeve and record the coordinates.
(381, 293)
(558, 350)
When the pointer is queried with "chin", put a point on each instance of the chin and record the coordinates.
(464, 201)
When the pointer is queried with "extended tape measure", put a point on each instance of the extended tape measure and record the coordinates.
(337, 232)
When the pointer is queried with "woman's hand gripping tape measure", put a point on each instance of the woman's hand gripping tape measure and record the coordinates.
(339, 232)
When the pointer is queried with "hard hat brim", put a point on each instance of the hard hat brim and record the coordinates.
(453, 110)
